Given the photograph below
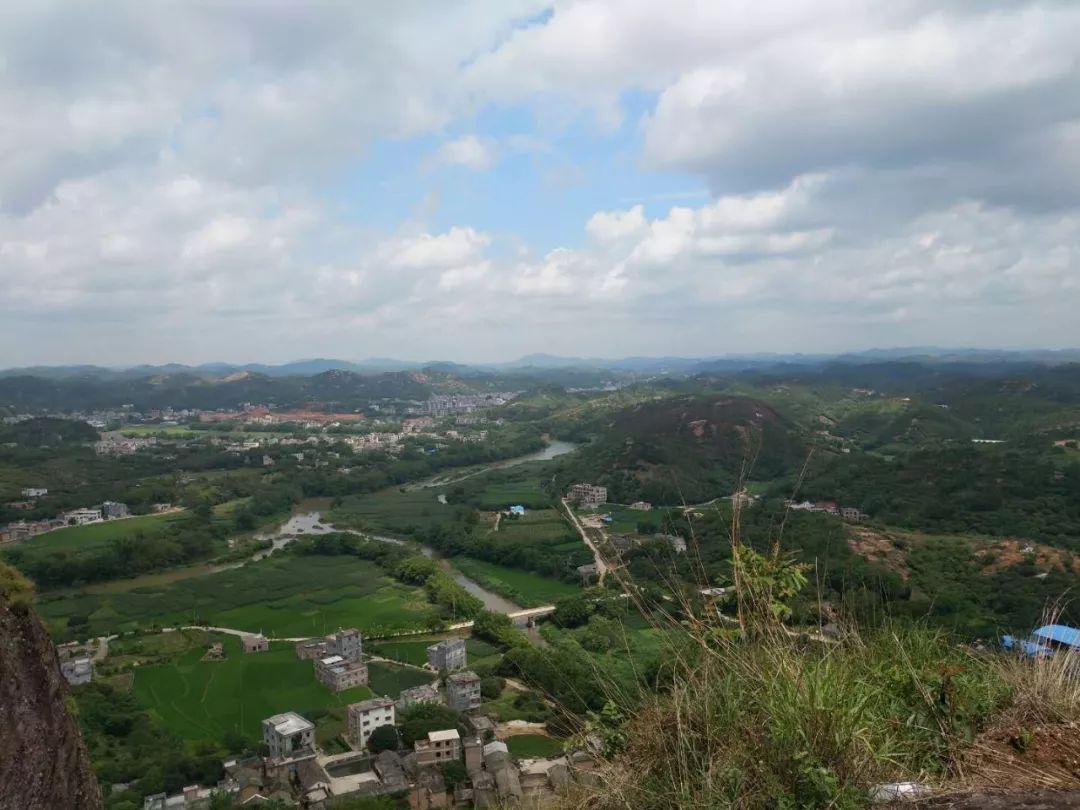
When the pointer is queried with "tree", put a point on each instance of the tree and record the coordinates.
(454, 773)
(492, 686)
(383, 738)
(418, 720)
(571, 611)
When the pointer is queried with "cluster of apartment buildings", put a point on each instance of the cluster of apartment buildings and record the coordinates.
(117, 444)
(450, 404)
(338, 658)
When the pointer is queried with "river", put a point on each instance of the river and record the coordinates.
(308, 519)
(554, 449)
(310, 522)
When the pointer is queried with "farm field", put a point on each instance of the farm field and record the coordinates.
(502, 488)
(202, 700)
(624, 519)
(540, 526)
(392, 511)
(533, 746)
(93, 536)
(528, 590)
(389, 679)
(414, 650)
(283, 596)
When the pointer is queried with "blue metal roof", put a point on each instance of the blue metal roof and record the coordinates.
(1028, 648)
(1060, 634)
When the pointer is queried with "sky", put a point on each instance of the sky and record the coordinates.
(478, 180)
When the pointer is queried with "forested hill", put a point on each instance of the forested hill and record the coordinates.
(688, 449)
(343, 389)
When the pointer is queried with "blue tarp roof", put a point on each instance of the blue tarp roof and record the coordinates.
(1028, 648)
(1060, 634)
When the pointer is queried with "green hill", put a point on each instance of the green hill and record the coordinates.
(687, 449)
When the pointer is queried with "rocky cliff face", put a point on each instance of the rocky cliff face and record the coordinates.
(43, 762)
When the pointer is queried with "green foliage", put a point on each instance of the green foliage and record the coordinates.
(15, 589)
(766, 584)
(799, 727)
(998, 490)
(492, 686)
(126, 744)
(498, 629)
(454, 773)
(417, 720)
(533, 746)
(383, 738)
(47, 431)
(572, 611)
(685, 449)
(522, 587)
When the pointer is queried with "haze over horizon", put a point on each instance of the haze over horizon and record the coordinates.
(591, 178)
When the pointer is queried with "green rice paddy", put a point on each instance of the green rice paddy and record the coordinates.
(201, 700)
(284, 596)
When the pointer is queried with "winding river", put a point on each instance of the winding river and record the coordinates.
(308, 520)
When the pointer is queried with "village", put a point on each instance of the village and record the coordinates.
(466, 764)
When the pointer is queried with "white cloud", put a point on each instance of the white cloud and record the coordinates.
(610, 226)
(180, 179)
(456, 247)
(467, 151)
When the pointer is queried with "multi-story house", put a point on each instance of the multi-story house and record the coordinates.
(288, 736)
(448, 655)
(463, 691)
(587, 495)
(439, 747)
(340, 674)
(368, 715)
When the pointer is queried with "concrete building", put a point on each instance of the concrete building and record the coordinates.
(368, 715)
(439, 747)
(112, 510)
(340, 674)
(35, 492)
(473, 749)
(449, 654)
(288, 736)
(77, 671)
(193, 797)
(587, 495)
(641, 506)
(500, 765)
(346, 644)
(424, 693)
(463, 691)
(310, 649)
(254, 642)
(81, 516)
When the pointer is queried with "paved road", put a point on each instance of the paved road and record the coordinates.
(601, 566)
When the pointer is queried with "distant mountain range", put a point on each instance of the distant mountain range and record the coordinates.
(629, 365)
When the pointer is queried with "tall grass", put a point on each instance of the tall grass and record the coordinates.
(752, 714)
(777, 723)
